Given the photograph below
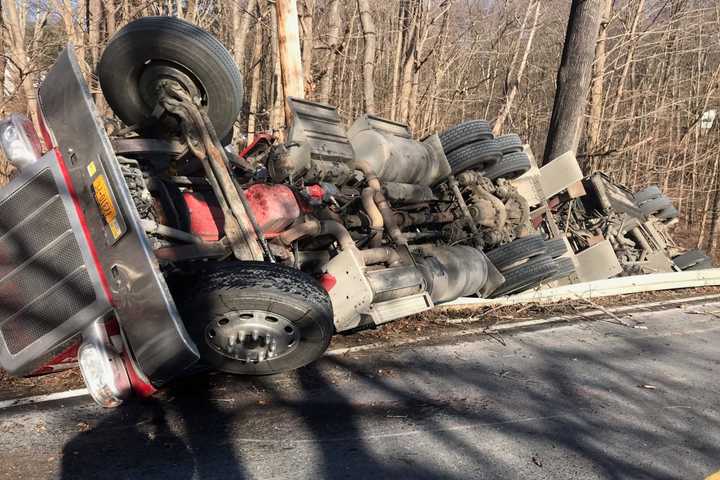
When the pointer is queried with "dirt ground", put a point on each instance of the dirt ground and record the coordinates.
(437, 322)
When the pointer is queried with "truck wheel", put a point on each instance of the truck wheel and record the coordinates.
(527, 275)
(154, 47)
(257, 318)
(668, 214)
(478, 155)
(510, 143)
(702, 265)
(655, 205)
(691, 258)
(565, 268)
(464, 134)
(511, 166)
(650, 193)
(556, 247)
(510, 254)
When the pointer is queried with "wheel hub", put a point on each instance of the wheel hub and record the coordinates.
(252, 336)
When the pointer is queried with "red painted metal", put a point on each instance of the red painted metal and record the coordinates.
(206, 216)
(315, 192)
(66, 359)
(260, 140)
(140, 385)
(275, 207)
(328, 281)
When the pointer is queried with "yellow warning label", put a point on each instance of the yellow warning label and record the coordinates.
(115, 229)
(104, 200)
(91, 169)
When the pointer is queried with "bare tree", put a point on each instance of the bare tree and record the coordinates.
(515, 81)
(333, 42)
(256, 80)
(25, 77)
(3, 61)
(368, 28)
(241, 26)
(573, 77)
(306, 25)
(288, 33)
(597, 90)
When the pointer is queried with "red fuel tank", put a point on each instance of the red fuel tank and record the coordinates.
(274, 206)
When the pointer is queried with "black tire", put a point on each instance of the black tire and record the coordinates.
(508, 255)
(511, 166)
(478, 156)
(668, 214)
(555, 247)
(655, 205)
(702, 265)
(565, 268)
(650, 193)
(510, 143)
(527, 275)
(690, 258)
(169, 41)
(464, 134)
(289, 294)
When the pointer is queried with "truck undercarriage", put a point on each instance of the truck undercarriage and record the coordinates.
(248, 262)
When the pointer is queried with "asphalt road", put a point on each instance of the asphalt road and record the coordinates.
(583, 400)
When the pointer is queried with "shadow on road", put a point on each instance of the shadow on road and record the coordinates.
(451, 414)
(181, 436)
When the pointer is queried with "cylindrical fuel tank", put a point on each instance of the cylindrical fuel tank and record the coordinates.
(394, 155)
(395, 282)
(452, 272)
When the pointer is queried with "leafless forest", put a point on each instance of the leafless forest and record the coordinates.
(433, 63)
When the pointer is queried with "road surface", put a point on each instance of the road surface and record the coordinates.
(591, 399)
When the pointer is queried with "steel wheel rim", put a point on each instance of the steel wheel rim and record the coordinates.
(252, 336)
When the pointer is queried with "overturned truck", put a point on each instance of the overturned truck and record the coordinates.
(147, 248)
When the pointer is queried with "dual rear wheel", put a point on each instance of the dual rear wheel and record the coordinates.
(471, 145)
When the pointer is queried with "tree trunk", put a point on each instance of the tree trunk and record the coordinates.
(306, 22)
(3, 62)
(190, 11)
(288, 33)
(573, 78)
(16, 40)
(94, 19)
(408, 64)
(256, 81)
(241, 27)
(626, 68)
(403, 28)
(597, 97)
(368, 28)
(510, 98)
(333, 39)
(110, 25)
(277, 113)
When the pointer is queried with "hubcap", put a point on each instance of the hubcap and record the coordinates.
(252, 336)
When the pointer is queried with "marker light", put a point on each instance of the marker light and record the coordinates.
(19, 140)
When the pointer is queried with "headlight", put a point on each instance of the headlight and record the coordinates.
(103, 369)
(19, 141)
